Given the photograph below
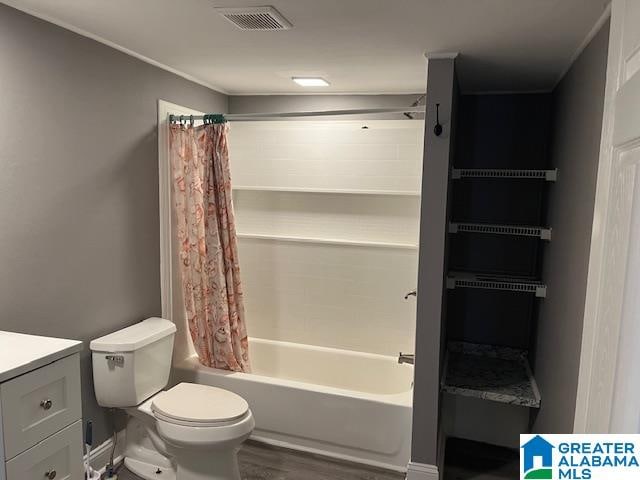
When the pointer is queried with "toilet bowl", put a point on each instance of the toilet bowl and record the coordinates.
(204, 428)
(189, 432)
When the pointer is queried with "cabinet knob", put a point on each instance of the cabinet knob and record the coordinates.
(47, 404)
(51, 474)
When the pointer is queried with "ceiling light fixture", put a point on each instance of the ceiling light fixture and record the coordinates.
(310, 81)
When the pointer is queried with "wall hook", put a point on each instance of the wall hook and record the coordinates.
(438, 128)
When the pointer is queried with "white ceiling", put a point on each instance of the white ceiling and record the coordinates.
(360, 46)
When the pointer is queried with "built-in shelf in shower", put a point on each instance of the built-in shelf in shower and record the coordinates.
(487, 372)
(497, 229)
(496, 282)
(329, 241)
(400, 193)
(507, 173)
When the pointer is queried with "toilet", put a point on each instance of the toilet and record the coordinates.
(189, 432)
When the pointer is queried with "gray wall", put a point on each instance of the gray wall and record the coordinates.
(438, 153)
(79, 185)
(578, 109)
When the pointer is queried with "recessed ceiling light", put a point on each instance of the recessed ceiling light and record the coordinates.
(310, 81)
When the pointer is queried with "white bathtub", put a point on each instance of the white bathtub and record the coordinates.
(350, 405)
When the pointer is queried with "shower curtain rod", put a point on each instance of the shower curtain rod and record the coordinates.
(235, 117)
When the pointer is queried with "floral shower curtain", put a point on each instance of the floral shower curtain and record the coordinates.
(208, 250)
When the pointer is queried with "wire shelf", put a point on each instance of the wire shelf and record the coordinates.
(548, 175)
(496, 282)
(517, 230)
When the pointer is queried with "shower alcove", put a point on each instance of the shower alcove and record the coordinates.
(327, 216)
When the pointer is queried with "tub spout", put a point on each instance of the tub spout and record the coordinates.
(406, 358)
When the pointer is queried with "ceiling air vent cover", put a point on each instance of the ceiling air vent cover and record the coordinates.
(255, 18)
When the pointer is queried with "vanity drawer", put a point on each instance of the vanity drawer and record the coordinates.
(59, 457)
(40, 403)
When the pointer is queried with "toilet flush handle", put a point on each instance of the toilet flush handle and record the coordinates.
(115, 359)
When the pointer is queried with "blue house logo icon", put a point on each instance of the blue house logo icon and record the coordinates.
(537, 447)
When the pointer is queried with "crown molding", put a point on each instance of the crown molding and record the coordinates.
(441, 55)
(109, 43)
(587, 40)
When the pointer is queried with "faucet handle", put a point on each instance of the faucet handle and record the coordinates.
(412, 293)
(406, 358)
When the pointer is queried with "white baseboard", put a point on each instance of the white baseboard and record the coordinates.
(422, 471)
(100, 455)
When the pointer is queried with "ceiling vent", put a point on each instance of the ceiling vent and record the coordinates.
(255, 18)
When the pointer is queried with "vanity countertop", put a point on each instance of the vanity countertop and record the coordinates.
(20, 353)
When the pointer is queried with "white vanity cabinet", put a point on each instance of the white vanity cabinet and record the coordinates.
(40, 408)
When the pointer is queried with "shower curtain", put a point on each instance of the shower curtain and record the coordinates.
(207, 246)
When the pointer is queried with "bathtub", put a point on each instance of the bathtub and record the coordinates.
(349, 405)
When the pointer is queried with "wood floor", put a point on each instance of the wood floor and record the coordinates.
(264, 462)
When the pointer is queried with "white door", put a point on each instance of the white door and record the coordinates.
(609, 386)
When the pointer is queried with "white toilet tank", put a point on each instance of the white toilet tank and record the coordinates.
(132, 364)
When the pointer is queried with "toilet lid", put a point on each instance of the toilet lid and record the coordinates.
(202, 404)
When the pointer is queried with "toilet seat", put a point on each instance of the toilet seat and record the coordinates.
(190, 404)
